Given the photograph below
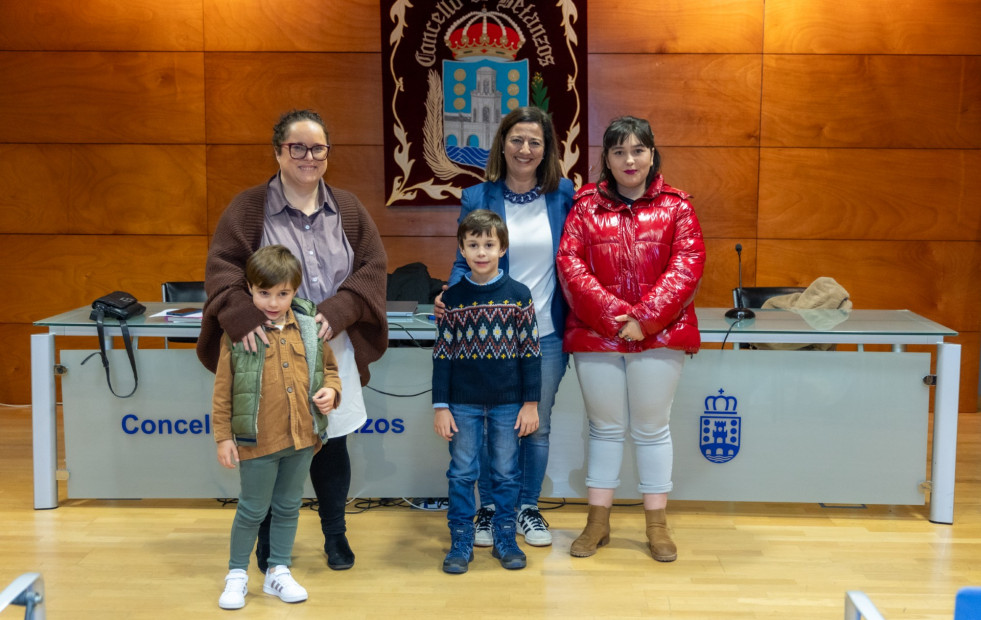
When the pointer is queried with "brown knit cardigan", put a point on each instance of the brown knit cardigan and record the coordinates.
(358, 306)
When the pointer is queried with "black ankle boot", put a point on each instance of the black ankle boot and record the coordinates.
(339, 554)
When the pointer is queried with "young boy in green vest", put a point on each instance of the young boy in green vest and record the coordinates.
(269, 412)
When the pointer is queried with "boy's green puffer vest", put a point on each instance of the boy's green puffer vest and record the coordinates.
(247, 377)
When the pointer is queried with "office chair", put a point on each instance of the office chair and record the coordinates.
(754, 296)
(182, 291)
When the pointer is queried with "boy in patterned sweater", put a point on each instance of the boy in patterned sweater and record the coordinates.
(486, 371)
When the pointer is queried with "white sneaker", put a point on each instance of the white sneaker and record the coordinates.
(236, 587)
(533, 526)
(483, 536)
(280, 582)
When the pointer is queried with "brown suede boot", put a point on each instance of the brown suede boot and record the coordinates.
(658, 537)
(596, 534)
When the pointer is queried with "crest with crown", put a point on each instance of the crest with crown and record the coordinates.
(720, 404)
(484, 34)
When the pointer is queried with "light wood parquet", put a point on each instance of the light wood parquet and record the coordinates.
(167, 558)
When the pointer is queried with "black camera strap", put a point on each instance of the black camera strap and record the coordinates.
(100, 327)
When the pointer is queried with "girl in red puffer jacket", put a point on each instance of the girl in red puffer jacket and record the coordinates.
(629, 263)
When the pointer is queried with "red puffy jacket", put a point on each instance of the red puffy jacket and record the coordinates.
(644, 260)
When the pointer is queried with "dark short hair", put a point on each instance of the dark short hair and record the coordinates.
(616, 133)
(282, 127)
(273, 265)
(480, 221)
(549, 172)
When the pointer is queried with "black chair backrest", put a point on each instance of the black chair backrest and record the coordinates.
(183, 291)
(754, 296)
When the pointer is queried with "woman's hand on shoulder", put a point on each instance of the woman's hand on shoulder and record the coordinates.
(439, 308)
(249, 342)
(326, 332)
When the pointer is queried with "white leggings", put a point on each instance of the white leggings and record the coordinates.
(634, 389)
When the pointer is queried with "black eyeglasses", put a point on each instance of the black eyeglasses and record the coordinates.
(299, 151)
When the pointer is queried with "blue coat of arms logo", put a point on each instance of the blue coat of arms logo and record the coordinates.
(720, 428)
(481, 84)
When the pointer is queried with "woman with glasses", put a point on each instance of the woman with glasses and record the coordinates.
(344, 274)
(525, 187)
(630, 262)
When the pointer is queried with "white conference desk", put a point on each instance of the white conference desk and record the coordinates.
(811, 426)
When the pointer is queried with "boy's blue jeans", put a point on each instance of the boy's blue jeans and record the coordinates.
(465, 447)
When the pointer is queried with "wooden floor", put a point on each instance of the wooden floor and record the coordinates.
(167, 559)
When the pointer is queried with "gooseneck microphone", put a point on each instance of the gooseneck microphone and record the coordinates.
(740, 312)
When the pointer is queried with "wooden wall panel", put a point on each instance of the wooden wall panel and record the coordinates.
(870, 194)
(871, 101)
(102, 97)
(247, 93)
(937, 279)
(722, 272)
(723, 183)
(35, 180)
(872, 27)
(277, 26)
(99, 188)
(136, 25)
(138, 189)
(232, 168)
(60, 272)
(676, 27)
(692, 99)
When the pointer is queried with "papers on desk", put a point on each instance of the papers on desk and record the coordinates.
(177, 315)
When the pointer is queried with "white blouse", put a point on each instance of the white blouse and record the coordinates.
(530, 257)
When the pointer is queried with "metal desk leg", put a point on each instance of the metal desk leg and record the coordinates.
(945, 432)
(44, 421)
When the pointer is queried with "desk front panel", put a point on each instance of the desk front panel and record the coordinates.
(795, 426)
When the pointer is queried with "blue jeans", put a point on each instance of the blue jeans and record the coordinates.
(533, 457)
(472, 421)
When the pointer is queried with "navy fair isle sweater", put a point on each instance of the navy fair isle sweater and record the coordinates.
(486, 350)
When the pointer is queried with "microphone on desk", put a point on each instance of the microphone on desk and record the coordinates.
(740, 312)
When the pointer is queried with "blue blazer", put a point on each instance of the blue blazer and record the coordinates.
(490, 195)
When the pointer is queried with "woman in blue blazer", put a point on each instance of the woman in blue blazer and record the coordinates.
(525, 187)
